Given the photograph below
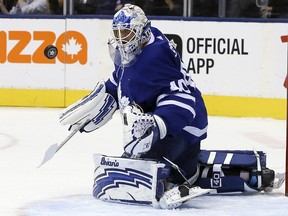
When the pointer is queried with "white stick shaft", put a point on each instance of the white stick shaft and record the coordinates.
(51, 151)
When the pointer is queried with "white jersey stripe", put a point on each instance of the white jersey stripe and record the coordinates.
(182, 95)
(179, 104)
(195, 131)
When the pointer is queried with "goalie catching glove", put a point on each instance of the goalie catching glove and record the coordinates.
(96, 109)
(141, 131)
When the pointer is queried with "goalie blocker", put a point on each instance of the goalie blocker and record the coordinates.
(96, 109)
(142, 181)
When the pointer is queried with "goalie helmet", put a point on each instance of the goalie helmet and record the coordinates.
(131, 29)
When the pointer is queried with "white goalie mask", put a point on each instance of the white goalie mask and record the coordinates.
(130, 30)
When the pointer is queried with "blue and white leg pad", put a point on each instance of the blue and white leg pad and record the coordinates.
(134, 181)
(140, 181)
(215, 162)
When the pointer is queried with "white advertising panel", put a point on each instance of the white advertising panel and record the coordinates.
(98, 64)
(234, 58)
(246, 59)
(22, 61)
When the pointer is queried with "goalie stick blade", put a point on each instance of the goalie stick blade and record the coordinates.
(50, 152)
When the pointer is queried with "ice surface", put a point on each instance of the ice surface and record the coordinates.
(63, 185)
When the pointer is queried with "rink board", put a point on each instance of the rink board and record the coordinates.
(240, 72)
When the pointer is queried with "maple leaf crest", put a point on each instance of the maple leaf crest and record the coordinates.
(72, 47)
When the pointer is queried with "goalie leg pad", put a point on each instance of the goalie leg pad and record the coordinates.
(126, 180)
(223, 170)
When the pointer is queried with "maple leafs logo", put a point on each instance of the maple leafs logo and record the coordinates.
(72, 47)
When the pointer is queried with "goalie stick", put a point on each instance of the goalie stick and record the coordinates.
(178, 169)
(53, 149)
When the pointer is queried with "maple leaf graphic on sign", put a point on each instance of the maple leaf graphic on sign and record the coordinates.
(72, 47)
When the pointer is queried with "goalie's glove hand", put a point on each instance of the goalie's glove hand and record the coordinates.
(141, 131)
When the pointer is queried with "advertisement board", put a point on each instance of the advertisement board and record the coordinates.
(238, 66)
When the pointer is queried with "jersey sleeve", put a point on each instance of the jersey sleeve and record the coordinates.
(112, 83)
(178, 102)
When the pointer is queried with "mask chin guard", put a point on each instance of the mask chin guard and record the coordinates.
(119, 57)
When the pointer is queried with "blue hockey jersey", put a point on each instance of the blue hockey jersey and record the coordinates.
(159, 83)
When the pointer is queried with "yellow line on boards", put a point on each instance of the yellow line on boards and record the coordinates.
(245, 106)
(233, 106)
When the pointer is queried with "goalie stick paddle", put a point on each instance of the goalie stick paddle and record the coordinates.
(53, 149)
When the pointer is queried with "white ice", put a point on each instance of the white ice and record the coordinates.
(63, 186)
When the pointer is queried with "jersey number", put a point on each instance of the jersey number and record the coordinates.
(180, 86)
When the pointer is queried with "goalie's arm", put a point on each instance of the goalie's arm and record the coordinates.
(96, 109)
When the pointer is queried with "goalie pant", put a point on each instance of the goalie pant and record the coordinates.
(142, 181)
